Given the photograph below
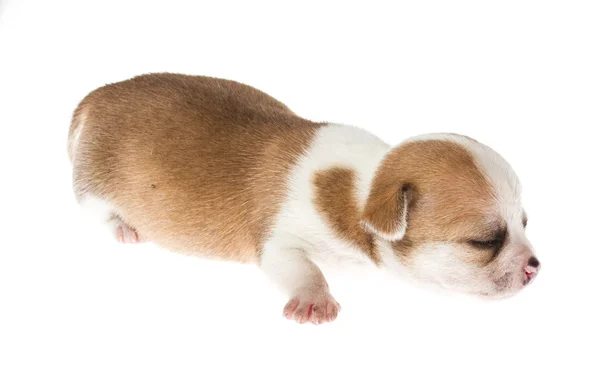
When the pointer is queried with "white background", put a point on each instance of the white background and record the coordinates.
(521, 76)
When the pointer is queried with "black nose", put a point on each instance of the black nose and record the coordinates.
(533, 262)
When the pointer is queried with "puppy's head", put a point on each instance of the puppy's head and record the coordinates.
(451, 208)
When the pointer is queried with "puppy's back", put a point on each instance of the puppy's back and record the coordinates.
(196, 164)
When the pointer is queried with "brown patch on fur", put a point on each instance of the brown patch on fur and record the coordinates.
(385, 209)
(336, 200)
(404, 248)
(452, 200)
(197, 164)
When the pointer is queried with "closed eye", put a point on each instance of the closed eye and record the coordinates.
(486, 244)
(493, 244)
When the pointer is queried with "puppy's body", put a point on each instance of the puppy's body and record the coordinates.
(213, 167)
(195, 164)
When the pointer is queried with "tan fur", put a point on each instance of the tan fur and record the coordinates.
(450, 198)
(196, 164)
(75, 131)
(336, 200)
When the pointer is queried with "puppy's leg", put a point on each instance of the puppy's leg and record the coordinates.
(101, 211)
(123, 232)
(303, 281)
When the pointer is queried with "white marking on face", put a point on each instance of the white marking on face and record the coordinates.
(517, 250)
(438, 264)
(441, 264)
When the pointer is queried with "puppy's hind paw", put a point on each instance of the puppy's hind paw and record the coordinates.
(126, 235)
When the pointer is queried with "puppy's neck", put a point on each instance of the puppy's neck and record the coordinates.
(391, 259)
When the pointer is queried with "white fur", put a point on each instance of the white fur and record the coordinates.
(302, 231)
(96, 209)
(439, 264)
(389, 237)
(299, 225)
(100, 211)
(290, 269)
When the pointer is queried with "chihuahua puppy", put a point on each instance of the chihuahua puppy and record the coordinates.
(207, 166)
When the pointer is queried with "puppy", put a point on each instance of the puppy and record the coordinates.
(206, 166)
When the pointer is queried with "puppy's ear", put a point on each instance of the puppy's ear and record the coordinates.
(386, 211)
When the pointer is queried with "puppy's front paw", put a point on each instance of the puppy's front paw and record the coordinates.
(316, 308)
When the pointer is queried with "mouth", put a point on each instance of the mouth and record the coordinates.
(505, 290)
(529, 274)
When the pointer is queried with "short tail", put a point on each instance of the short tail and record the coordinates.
(77, 123)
